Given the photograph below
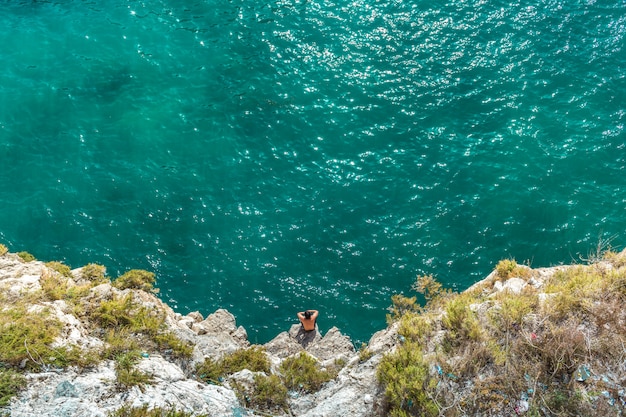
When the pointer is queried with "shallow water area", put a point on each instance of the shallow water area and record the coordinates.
(268, 158)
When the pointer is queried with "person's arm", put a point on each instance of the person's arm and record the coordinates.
(301, 315)
(314, 315)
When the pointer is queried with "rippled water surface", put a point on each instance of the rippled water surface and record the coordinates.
(271, 157)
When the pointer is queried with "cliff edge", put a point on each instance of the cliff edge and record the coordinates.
(540, 342)
(78, 344)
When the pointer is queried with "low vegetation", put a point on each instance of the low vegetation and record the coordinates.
(254, 359)
(11, 383)
(268, 391)
(26, 338)
(365, 353)
(94, 273)
(126, 374)
(555, 348)
(300, 373)
(130, 329)
(533, 350)
(509, 268)
(60, 267)
(145, 411)
(137, 279)
(25, 256)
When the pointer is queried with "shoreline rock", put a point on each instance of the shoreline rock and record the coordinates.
(355, 391)
(92, 391)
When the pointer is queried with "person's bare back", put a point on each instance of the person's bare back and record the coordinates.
(308, 318)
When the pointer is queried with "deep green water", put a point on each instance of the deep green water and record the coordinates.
(272, 157)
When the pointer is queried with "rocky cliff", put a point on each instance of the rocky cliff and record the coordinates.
(92, 387)
(541, 342)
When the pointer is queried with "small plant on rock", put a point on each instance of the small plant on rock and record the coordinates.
(365, 353)
(137, 279)
(94, 273)
(124, 316)
(404, 374)
(25, 256)
(61, 268)
(509, 268)
(145, 411)
(268, 393)
(53, 285)
(303, 373)
(26, 338)
(254, 359)
(399, 306)
(460, 321)
(3, 249)
(126, 375)
(10, 384)
(428, 286)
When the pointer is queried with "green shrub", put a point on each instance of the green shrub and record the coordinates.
(127, 378)
(415, 327)
(268, 393)
(509, 268)
(129, 411)
(618, 259)
(430, 287)
(125, 312)
(3, 249)
(460, 321)
(512, 309)
(26, 338)
(574, 290)
(81, 358)
(54, 286)
(144, 411)
(210, 371)
(61, 268)
(118, 342)
(137, 279)
(25, 256)
(303, 373)
(404, 375)
(126, 375)
(94, 273)
(399, 306)
(10, 384)
(126, 319)
(117, 312)
(254, 359)
(365, 353)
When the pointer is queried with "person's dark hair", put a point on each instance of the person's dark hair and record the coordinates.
(307, 314)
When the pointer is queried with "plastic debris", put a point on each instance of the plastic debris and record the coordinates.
(521, 407)
(582, 374)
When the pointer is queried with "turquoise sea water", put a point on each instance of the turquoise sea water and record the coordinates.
(272, 157)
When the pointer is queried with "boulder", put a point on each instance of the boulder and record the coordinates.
(282, 346)
(217, 335)
(332, 346)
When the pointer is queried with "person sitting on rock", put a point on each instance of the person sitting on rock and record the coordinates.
(308, 319)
